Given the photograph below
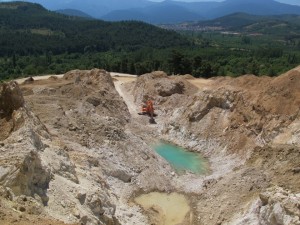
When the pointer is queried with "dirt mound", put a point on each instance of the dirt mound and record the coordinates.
(188, 77)
(280, 163)
(282, 94)
(96, 88)
(158, 84)
(248, 81)
(11, 99)
(154, 75)
(270, 92)
(89, 77)
(29, 80)
(272, 104)
(53, 78)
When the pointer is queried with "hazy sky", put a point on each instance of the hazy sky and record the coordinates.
(292, 2)
(191, 0)
(283, 1)
(296, 2)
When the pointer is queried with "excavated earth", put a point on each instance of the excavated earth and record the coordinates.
(75, 151)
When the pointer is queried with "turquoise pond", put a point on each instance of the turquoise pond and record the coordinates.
(180, 159)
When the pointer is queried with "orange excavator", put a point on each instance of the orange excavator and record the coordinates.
(148, 109)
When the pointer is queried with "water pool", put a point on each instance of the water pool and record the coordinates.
(181, 159)
(169, 209)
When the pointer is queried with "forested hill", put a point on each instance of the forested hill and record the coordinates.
(242, 22)
(27, 29)
(74, 12)
(35, 41)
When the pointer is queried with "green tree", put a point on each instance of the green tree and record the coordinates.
(246, 40)
(179, 64)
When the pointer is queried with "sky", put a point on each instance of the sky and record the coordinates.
(191, 0)
(294, 2)
(283, 1)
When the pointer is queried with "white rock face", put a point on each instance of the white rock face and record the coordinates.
(275, 206)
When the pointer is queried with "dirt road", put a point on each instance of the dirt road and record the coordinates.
(126, 97)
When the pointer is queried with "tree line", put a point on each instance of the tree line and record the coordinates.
(199, 63)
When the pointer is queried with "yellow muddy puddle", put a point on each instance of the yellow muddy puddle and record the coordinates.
(165, 209)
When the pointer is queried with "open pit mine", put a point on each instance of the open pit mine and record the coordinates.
(76, 149)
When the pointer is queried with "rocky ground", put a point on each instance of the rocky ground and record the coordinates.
(74, 150)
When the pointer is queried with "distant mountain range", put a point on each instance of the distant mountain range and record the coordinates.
(279, 25)
(174, 11)
(255, 7)
(73, 12)
(165, 12)
(170, 11)
(290, 2)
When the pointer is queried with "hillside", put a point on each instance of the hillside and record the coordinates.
(284, 26)
(279, 25)
(256, 7)
(73, 12)
(25, 26)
